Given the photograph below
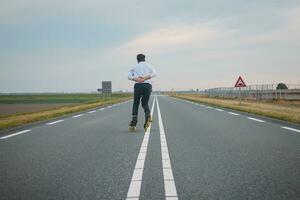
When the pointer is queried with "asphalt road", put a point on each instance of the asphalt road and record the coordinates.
(192, 151)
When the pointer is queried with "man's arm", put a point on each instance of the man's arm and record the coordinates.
(131, 75)
(133, 78)
(152, 75)
(139, 79)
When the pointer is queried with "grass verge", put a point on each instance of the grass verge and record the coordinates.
(18, 120)
(290, 113)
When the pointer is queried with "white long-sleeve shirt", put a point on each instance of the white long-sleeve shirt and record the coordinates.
(142, 69)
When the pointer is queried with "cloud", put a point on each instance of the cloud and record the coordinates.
(170, 38)
(289, 31)
(192, 43)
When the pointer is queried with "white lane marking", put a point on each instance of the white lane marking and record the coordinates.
(168, 174)
(134, 190)
(218, 109)
(169, 183)
(254, 119)
(102, 109)
(136, 180)
(75, 116)
(55, 122)
(139, 164)
(14, 134)
(232, 113)
(108, 107)
(291, 129)
(209, 107)
(166, 164)
(170, 189)
(137, 174)
(142, 155)
(93, 111)
(172, 198)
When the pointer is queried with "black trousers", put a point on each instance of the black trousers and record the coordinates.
(142, 92)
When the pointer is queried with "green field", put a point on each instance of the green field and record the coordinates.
(78, 103)
(56, 98)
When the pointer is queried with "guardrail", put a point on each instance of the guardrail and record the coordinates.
(258, 92)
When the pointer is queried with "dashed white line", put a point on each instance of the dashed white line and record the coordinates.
(169, 183)
(136, 180)
(101, 109)
(75, 116)
(209, 107)
(55, 122)
(291, 129)
(93, 111)
(218, 109)
(254, 119)
(232, 113)
(14, 134)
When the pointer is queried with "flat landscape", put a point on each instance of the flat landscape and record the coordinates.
(191, 151)
(8, 109)
(282, 110)
(16, 110)
(15, 104)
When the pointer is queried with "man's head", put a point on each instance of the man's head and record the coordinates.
(140, 58)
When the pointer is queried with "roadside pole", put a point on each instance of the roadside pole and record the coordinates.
(240, 83)
(240, 96)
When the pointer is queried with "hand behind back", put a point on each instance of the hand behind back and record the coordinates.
(140, 79)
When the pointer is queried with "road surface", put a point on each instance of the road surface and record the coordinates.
(192, 151)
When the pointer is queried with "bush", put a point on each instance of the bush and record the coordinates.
(281, 86)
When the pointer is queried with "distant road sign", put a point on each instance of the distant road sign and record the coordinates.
(106, 87)
(240, 83)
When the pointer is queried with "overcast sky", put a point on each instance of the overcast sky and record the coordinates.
(71, 46)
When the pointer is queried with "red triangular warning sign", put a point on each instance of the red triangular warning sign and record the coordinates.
(240, 83)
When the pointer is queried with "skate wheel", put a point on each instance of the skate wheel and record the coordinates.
(132, 128)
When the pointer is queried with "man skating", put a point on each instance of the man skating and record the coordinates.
(141, 75)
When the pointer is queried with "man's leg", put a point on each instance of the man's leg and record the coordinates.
(136, 103)
(145, 99)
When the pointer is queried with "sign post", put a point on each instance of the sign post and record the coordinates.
(106, 89)
(240, 83)
(240, 96)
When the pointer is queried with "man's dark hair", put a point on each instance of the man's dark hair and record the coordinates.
(140, 57)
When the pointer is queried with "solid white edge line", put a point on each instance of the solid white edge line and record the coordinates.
(291, 129)
(254, 119)
(55, 122)
(14, 134)
(169, 183)
(136, 179)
